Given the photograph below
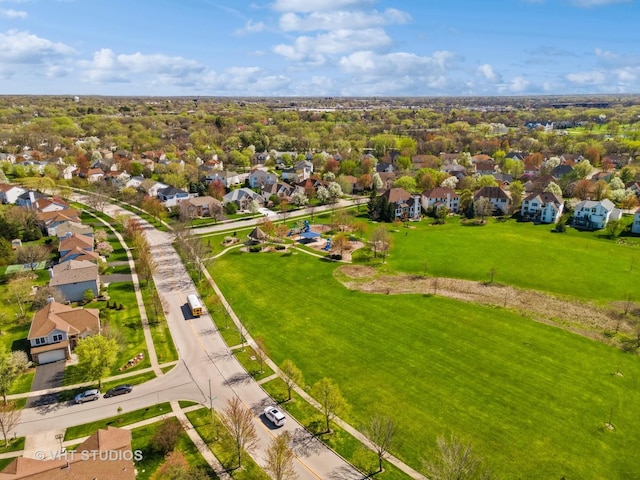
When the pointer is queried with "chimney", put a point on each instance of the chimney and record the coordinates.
(32, 196)
(50, 272)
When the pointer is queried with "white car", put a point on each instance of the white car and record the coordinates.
(275, 415)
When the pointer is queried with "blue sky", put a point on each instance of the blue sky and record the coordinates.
(319, 47)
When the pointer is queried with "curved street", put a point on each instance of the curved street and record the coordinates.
(207, 373)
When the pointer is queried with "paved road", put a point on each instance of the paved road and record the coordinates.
(206, 365)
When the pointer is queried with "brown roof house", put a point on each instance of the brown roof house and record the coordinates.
(51, 220)
(77, 247)
(500, 199)
(205, 206)
(74, 278)
(105, 455)
(69, 227)
(407, 206)
(56, 328)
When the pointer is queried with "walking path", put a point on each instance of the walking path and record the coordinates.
(153, 358)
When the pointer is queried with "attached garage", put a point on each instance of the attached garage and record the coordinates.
(50, 353)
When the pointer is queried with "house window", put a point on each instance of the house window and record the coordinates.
(57, 337)
(41, 341)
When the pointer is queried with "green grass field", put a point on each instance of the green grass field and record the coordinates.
(579, 264)
(531, 398)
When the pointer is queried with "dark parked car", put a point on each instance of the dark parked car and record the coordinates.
(119, 390)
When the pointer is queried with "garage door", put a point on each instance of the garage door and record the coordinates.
(51, 356)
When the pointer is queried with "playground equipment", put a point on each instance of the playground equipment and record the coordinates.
(327, 247)
(301, 227)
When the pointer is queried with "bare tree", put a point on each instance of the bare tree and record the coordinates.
(381, 241)
(454, 460)
(381, 431)
(280, 458)
(293, 376)
(261, 352)
(239, 421)
(9, 418)
(483, 208)
(32, 255)
(331, 401)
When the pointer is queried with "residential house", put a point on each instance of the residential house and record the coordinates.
(407, 206)
(104, 455)
(310, 186)
(77, 247)
(49, 221)
(54, 204)
(634, 187)
(594, 215)
(228, 179)
(28, 198)
(69, 171)
(117, 177)
(10, 193)
(635, 226)
(486, 167)
(205, 206)
(74, 278)
(500, 199)
(56, 328)
(384, 167)
(387, 179)
(242, 197)
(261, 178)
(91, 174)
(170, 196)
(441, 197)
(281, 190)
(135, 182)
(544, 207)
(69, 227)
(562, 171)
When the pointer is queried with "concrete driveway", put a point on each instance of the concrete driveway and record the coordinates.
(47, 376)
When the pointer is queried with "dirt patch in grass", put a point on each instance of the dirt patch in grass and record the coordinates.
(580, 317)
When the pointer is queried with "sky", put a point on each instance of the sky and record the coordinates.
(320, 48)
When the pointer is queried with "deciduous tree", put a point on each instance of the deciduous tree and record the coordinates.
(96, 357)
(454, 460)
(332, 403)
(12, 365)
(292, 376)
(9, 418)
(280, 458)
(239, 421)
(166, 436)
(381, 431)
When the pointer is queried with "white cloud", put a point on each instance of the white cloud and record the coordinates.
(608, 58)
(486, 71)
(18, 47)
(318, 5)
(594, 77)
(396, 64)
(316, 49)
(517, 85)
(107, 67)
(13, 13)
(341, 20)
(596, 3)
(251, 27)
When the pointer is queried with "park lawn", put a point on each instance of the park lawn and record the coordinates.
(221, 445)
(579, 264)
(151, 458)
(80, 431)
(530, 397)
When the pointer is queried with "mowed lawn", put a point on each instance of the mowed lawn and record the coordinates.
(532, 399)
(580, 264)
